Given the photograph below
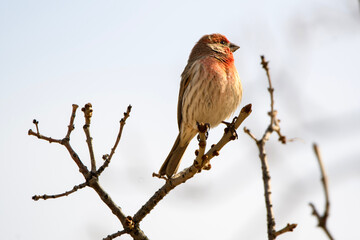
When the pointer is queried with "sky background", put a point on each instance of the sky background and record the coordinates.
(114, 53)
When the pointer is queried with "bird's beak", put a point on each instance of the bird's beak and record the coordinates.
(234, 47)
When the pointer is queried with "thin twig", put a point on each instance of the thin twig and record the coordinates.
(49, 139)
(272, 113)
(189, 172)
(247, 131)
(71, 126)
(287, 228)
(322, 219)
(274, 121)
(115, 235)
(66, 142)
(36, 123)
(107, 157)
(273, 126)
(74, 189)
(88, 114)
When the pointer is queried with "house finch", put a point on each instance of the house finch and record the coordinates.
(210, 91)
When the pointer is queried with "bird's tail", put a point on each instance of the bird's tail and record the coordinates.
(172, 162)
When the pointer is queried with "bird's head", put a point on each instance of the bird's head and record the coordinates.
(214, 45)
(219, 43)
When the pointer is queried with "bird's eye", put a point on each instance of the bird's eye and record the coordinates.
(222, 42)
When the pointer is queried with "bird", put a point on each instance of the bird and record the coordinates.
(210, 92)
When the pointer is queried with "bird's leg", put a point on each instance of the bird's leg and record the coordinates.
(203, 128)
(231, 127)
(159, 176)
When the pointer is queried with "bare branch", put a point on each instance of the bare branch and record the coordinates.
(131, 225)
(273, 126)
(115, 235)
(107, 157)
(38, 135)
(65, 141)
(67, 193)
(189, 172)
(88, 114)
(127, 222)
(267, 190)
(265, 64)
(91, 177)
(274, 122)
(287, 228)
(36, 122)
(71, 126)
(247, 131)
(322, 219)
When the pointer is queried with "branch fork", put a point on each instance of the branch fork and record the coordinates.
(260, 143)
(92, 176)
(322, 219)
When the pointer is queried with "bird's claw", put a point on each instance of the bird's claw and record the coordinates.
(206, 136)
(231, 127)
(204, 128)
(158, 175)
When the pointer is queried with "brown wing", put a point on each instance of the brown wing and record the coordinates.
(185, 79)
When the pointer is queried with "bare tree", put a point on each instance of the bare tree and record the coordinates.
(131, 224)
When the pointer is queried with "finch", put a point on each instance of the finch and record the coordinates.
(210, 91)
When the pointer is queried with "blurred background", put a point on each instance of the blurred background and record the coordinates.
(115, 53)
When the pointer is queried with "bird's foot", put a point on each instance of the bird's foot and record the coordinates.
(203, 128)
(160, 176)
(231, 127)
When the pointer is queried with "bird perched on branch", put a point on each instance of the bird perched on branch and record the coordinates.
(210, 91)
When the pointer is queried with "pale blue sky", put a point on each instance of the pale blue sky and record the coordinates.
(115, 53)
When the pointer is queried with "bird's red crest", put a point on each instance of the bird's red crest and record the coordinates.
(218, 38)
(214, 38)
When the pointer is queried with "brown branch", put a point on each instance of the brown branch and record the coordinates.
(65, 141)
(38, 135)
(71, 126)
(107, 157)
(265, 66)
(247, 131)
(189, 172)
(91, 177)
(274, 122)
(273, 126)
(115, 235)
(36, 122)
(131, 225)
(67, 193)
(87, 109)
(287, 228)
(322, 219)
